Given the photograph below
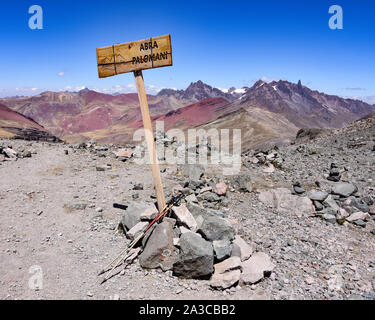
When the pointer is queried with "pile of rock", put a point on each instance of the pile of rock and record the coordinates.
(195, 242)
(269, 158)
(341, 205)
(8, 153)
(105, 150)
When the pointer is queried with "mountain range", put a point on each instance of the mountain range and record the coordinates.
(265, 112)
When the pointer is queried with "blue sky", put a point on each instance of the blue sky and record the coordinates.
(223, 43)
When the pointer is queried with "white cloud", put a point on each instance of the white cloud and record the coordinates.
(61, 73)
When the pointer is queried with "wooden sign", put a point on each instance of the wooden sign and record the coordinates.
(133, 56)
(137, 56)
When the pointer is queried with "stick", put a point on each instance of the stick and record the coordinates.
(150, 138)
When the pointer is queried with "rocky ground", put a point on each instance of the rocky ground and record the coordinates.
(308, 207)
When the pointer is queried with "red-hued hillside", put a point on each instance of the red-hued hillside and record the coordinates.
(8, 115)
(16, 125)
(190, 116)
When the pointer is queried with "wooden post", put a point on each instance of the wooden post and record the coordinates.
(149, 138)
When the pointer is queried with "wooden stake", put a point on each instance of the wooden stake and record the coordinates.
(149, 138)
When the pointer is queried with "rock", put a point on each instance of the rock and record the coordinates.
(133, 215)
(270, 168)
(283, 201)
(184, 230)
(236, 250)
(176, 242)
(360, 223)
(171, 221)
(137, 230)
(256, 268)
(193, 171)
(124, 153)
(227, 273)
(159, 250)
(298, 190)
(148, 234)
(245, 250)
(368, 200)
(104, 167)
(360, 205)
(317, 195)
(205, 189)
(329, 217)
(2, 158)
(341, 215)
(210, 197)
(196, 258)
(26, 154)
(199, 213)
(222, 249)
(150, 213)
(344, 189)
(232, 263)
(138, 186)
(10, 153)
(242, 182)
(318, 206)
(75, 206)
(216, 228)
(358, 216)
(225, 280)
(191, 198)
(184, 217)
(331, 203)
(220, 189)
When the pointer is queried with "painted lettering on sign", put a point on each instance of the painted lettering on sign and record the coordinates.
(139, 55)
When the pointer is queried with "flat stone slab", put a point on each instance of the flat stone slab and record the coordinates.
(184, 217)
(245, 249)
(232, 263)
(344, 189)
(358, 216)
(254, 269)
(283, 201)
(149, 213)
(137, 230)
(225, 280)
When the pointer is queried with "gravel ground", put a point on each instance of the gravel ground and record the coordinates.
(57, 217)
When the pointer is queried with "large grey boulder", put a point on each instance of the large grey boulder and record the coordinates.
(133, 215)
(222, 249)
(344, 189)
(200, 213)
(196, 258)
(159, 249)
(216, 228)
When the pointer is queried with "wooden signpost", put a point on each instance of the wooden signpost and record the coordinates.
(135, 57)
